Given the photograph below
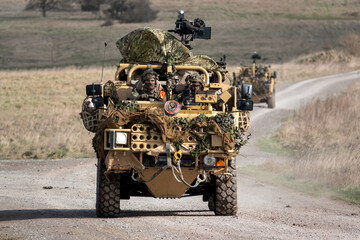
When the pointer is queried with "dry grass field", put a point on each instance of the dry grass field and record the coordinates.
(323, 140)
(280, 30)
(317, 64)
(325, 136)
(40, 112)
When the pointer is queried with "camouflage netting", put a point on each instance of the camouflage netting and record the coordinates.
(260, 83)
(89, 115)
(147, 45)
(203, 61)
(260, 87)
(176, 130)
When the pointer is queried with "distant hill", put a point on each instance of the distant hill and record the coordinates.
(279, 30)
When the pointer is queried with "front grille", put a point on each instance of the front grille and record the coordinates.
(144, 138)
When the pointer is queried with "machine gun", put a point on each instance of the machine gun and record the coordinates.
(189, 31)
(255, 57)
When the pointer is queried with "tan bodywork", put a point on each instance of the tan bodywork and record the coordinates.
(120, 158)
(262, 79)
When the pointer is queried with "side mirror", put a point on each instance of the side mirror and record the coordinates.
(246, 91)
(93, 90)
(98, 102)
(245, 105)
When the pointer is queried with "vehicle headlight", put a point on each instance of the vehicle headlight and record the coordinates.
(209, 160)
(121, 138)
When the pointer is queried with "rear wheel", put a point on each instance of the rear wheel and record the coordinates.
(107, 194)
(271, 101)
(226, 194)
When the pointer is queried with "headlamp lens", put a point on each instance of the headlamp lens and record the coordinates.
(209, 160)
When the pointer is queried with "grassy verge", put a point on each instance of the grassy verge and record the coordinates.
(323, 141)
(351, 195)
(40, 113)
(271, 144)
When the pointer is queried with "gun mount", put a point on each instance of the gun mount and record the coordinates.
(255, 57)
(189, 31)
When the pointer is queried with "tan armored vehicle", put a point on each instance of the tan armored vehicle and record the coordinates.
(262, 80)
(181, 142)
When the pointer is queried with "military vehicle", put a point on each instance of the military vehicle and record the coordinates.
(262, 80)
(180, 144)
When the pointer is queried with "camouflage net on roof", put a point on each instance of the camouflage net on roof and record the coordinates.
(148, 45)
(203, 61)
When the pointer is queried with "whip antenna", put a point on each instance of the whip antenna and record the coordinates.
(102, 71)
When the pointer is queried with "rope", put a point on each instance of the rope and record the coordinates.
(198, 178)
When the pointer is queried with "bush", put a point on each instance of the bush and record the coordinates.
(129, 11)
(352, 44)
(91, 5)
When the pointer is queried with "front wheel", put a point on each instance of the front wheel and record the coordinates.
(107, 194)
(226, 194)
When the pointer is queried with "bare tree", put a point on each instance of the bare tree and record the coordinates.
(46, 5)
(43, 7)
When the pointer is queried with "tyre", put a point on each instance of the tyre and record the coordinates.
(271, 101)
(107, 194)
(226, 194)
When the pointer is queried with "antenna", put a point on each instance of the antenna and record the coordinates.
(102, 71)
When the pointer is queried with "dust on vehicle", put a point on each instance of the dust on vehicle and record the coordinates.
(168, 125)
(262, 79)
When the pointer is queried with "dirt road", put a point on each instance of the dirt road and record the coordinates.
(55, 199)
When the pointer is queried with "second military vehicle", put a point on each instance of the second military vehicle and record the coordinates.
(261, 78)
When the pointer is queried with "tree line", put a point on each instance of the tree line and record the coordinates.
(124, 11)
